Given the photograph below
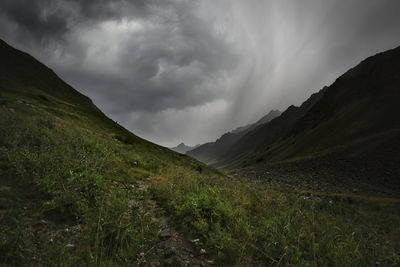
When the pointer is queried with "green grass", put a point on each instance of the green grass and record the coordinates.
(69, 197)
(248, 226)
(74, 169)
(80, 179)
(62, 167)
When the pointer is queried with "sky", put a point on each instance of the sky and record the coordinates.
(175, 71)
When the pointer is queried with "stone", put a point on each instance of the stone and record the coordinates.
(165, 234)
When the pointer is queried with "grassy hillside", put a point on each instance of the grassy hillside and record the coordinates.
(76, 189)
(65, 165)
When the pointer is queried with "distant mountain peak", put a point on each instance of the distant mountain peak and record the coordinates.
(210, 151)
(182, 148)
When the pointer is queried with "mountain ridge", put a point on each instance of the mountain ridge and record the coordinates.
(182, 148)
(265, 135)
(350, 123)
(210, 151)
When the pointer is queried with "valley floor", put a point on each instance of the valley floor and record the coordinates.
(335, 172)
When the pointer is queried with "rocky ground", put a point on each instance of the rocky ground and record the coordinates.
(334, 173)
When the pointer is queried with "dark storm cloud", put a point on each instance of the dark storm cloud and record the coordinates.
(166, 60)
(50, 20)
(189, 70)
(166, 63)
(171, 64)
(31, 21)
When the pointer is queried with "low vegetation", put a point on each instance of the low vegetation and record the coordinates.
(55, 171)
(248, 226)
(70, 196)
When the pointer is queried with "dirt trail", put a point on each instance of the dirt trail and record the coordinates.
(174, 248)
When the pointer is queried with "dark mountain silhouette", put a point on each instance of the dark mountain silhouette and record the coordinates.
(182, 148)
(349, 130)
(210, 152)
(19, 69)
(22, 76)
(263, 136)
(267, 118)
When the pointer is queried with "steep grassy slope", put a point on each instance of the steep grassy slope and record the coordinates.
(212, 151)
(72, 194)
(69, 174)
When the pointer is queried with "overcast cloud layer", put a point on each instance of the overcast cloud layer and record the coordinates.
(190, 70)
